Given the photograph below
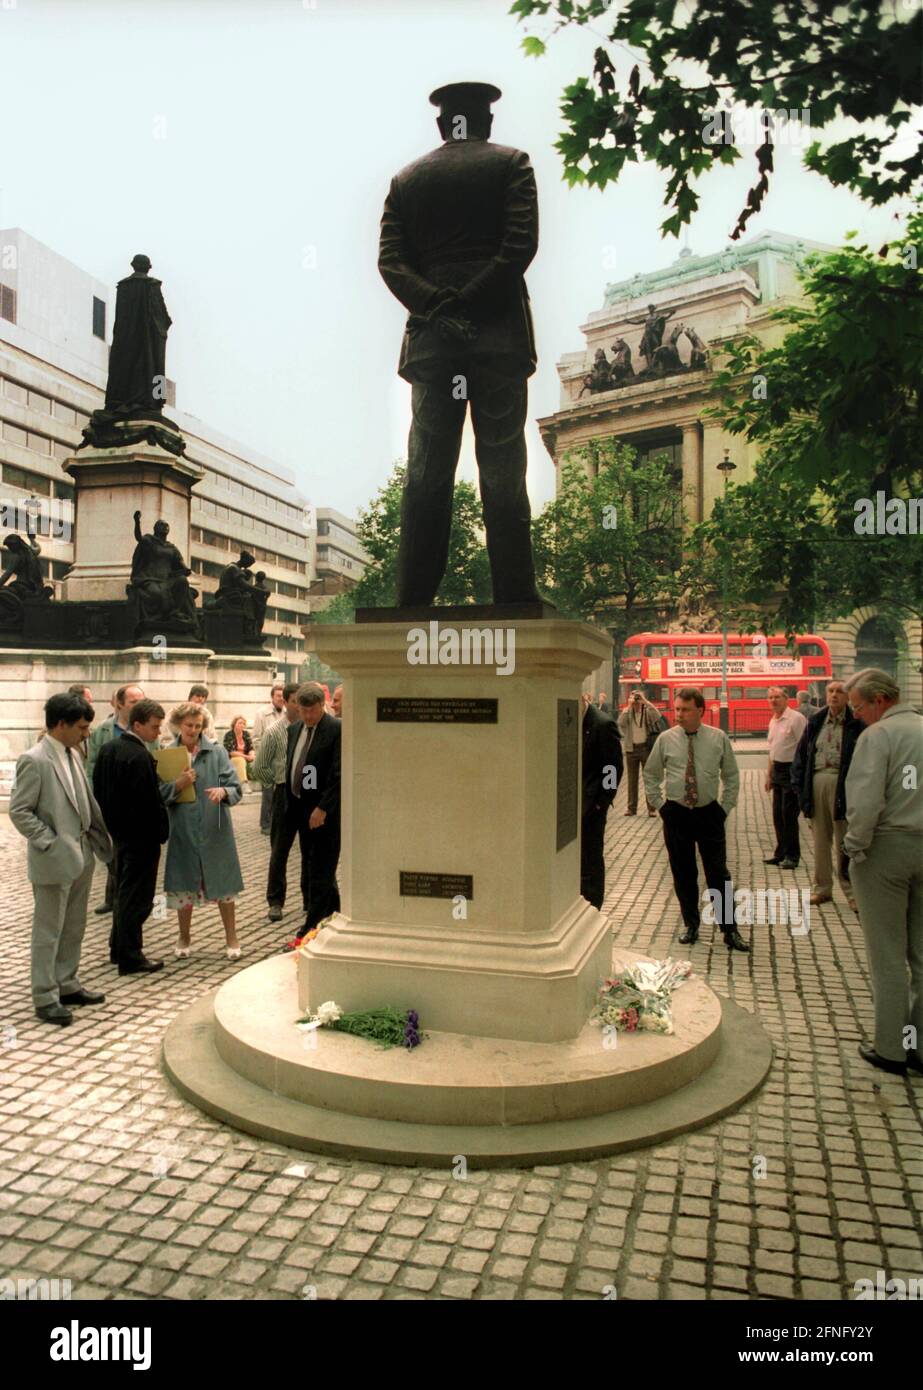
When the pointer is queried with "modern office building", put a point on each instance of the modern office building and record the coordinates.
(718, 296)
(55, 322)
(339, 559)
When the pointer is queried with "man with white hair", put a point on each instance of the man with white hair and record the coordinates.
(884, 841)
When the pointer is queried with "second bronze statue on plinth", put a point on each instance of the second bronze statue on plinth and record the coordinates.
(459, 228)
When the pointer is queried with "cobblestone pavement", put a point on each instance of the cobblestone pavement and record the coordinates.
(108, 1179)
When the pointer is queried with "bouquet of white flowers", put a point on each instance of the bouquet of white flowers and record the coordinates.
(639, 998)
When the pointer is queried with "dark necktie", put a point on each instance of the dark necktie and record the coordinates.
(692, 790)
(298, 770)
(83, 801)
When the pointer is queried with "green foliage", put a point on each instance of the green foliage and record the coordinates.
(842, 391)
(467, 576)
(856, 59)
(609, 543)
(790, 559)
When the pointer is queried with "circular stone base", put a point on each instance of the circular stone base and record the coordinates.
(238, 1056)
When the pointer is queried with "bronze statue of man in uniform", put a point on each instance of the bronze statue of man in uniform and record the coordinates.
(459, 228)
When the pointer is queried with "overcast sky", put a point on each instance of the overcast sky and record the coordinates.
(247, 146)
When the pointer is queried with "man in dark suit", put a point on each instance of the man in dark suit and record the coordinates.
(602, 772)
(459, 228)
(312, 809)
(128, 791)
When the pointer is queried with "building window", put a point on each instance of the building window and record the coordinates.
(99, 318)
(39, 402)
(14, 435)
(30, 482)
(15, 392)
(64, 492)
(7, 303)
(64, 413)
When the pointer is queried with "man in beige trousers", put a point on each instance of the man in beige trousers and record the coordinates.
(884, 841)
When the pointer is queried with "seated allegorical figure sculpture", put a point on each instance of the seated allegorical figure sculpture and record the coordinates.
(21, 578)
(159, 580)
(238, 593)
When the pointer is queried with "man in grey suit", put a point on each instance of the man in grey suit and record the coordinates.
(53, 807)
(459, 228)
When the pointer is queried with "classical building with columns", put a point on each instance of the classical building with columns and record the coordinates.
(705, 301)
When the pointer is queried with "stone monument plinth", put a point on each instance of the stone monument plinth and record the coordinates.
(112, 484)
(460, 864)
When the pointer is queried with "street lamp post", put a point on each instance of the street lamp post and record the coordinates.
(727, 468)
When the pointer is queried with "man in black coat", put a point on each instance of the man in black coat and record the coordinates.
(312, 804)
(602, 772)
(127, 788)
(459, 228)
(819, 770)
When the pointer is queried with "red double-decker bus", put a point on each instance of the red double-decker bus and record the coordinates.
(660, 662)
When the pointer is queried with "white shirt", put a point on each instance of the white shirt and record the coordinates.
(784, 735)
(714, 762)
(878, 797)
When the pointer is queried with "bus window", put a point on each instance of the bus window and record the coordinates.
(736, 692)
(710, 692)
(756, 692)
(657, 649)
(810, 649)
(684, 650)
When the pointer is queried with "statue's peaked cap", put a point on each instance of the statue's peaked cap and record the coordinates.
(464, 98)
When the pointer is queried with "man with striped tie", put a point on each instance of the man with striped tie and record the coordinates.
(682, 777)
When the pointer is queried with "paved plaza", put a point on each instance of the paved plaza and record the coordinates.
(110, 1181)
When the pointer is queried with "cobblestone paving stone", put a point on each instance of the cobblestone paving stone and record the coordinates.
(110, 1180)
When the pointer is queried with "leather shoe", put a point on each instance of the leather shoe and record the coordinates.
(773, 860)
(789, 864)
(914, 1061)
(141, 967)
(102, 909)
(82, 996)
(868, 1054)
(275, 912)
(734, 941)
(630, 813)
(689, 937)
(817, 898)
(55, 1013)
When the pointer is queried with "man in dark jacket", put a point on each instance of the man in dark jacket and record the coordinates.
(126, 786)
(602, 772)
(312, 809)
(459, 228)
(819, 770)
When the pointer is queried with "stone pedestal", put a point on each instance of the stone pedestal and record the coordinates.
(112, 484)
(460, 866)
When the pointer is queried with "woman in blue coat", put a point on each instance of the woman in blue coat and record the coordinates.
(202, 864)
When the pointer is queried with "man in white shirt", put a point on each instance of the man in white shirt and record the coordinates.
(884, 841)
(682, 777)
(785, 729)
(265, 719)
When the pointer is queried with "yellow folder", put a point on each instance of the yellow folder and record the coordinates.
(170, 763)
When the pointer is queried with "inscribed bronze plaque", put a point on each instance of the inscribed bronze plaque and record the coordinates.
(406, 709)
(418, 885)
(568, 729)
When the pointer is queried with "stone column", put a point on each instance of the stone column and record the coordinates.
(692, 474)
